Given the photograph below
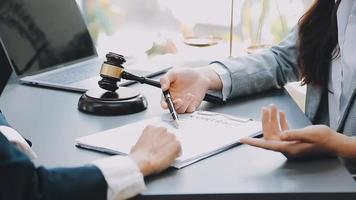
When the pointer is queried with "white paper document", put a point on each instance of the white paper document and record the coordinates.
(201, 135)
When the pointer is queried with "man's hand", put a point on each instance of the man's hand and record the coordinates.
(189, 86)
(155, 150)
(311, 140)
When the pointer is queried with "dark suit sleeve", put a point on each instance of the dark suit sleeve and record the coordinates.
(3, 121)
(21, 180)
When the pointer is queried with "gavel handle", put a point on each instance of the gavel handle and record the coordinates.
(213, 99)
(128, 76)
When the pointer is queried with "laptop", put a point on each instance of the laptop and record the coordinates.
(5, 70)
(48, 44)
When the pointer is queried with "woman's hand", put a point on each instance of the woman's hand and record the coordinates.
(189, 86)
(311, 140)
(155, 150)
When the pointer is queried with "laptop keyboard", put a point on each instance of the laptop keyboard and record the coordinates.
(70, 75)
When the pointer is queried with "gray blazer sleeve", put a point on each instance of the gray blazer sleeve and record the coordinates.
(269, 69)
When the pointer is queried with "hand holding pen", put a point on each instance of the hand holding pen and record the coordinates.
(166, 94)
(168, 100)
(188, 88)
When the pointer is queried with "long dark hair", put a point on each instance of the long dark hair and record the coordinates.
(318, 42)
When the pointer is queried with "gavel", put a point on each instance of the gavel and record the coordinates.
(112, 71)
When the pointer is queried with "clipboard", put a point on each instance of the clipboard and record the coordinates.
(201, 134)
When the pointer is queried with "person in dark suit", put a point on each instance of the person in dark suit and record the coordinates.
(116, 177)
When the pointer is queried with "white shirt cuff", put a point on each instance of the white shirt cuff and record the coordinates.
(14, 137)
(123, 177)
(225, 77)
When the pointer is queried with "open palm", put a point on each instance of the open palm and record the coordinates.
(273, 130)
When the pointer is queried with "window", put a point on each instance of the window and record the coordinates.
(169, 29)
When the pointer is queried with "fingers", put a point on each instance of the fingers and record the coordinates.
(177, 147)
(173, 145)
(265, 144)
(187, 86)
(283, 121)
(181, 105)
(265, 123)
(188, 104)
(177, 103)
(164, 140)
(164, 104)
(148, 128)
(265, 115)
(155, 150)
(274, 119)
(297, 135)
(272, 126)
(167, 150)
(167, 79)
(289, 149)
(165, 82)
(185, 104)
(273, 114)
(192, 107)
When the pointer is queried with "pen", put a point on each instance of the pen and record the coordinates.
(168, 98)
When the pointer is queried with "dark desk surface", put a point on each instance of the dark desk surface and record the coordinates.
(50, 119)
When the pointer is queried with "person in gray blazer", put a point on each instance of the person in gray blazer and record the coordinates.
(319, 52)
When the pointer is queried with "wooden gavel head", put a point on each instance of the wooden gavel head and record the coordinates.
(111, 71)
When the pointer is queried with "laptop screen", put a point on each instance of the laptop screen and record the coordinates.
(40, 34)
(5, 69)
